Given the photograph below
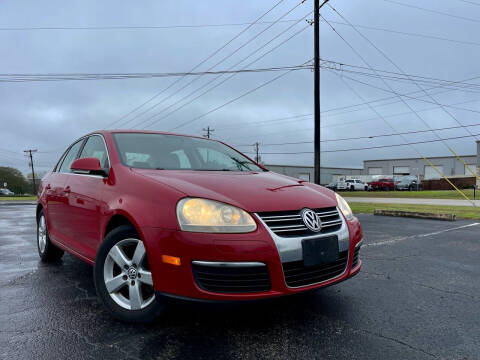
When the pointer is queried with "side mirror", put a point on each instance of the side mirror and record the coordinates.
(89, 165)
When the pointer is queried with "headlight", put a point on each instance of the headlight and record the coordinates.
(202, 215)
(344, 207)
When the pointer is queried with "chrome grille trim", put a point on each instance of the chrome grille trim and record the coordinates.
(288, 222)
(290, 248)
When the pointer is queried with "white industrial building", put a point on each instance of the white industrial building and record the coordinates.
(306, 172)
(448, 165)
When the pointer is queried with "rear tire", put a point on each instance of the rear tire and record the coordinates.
(123, 279)
(46, 250)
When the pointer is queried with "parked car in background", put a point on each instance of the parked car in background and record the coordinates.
(407, 183)
(332, 186)
(352, 185)
(164, 215)
(383, 184)
(6, 192)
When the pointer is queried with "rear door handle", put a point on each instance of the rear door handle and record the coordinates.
(48, 187)
(67, 190)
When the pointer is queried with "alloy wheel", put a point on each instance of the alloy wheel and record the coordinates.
(42, 234)
(127, 275)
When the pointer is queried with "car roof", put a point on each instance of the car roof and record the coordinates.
(132, 131)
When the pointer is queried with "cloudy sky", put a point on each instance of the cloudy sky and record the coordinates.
(441, 44)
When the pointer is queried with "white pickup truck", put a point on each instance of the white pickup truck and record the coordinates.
(352, 185)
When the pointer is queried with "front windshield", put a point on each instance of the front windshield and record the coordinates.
(173, 152)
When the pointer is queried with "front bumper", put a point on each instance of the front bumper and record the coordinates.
(260, 246)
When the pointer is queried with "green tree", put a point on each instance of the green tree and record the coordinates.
(15, 180)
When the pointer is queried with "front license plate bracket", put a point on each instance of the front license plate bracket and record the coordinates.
(320, 251)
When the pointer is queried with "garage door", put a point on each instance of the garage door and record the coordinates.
(374, 171)
(471, 166)
(401, 170)
(431, 173)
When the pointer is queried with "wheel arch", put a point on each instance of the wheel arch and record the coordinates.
(120, 218)
(37, 213)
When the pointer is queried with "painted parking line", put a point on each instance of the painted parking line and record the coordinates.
(403, 238)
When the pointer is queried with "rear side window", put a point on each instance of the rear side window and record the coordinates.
(95, 147)
(70, 157)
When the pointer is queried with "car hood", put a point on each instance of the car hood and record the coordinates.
(252, 191)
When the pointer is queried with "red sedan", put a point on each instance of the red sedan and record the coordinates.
(165, 215)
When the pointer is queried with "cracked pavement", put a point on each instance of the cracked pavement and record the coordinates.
(417, 297)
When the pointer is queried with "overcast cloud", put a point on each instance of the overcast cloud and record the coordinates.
(50, 115)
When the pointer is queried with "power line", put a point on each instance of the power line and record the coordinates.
(211, 67)
(340, 108)
(372, 147)
(196, 66)
(233, 100)
(425, 36)
(401, 70)
(403, 100)
(336, 124)
(340, 66)
(433, 11)
(121, 76)
(126, 27)
(276, 120)
(226, 79)
(470, 2)
(411, 97)
(366, 137)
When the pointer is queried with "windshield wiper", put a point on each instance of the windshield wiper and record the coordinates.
(213, 170)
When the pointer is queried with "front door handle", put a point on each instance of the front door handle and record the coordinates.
(48, 187)
(67, 190)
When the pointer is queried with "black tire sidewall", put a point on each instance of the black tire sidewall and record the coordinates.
(51, 252)
(148, 314)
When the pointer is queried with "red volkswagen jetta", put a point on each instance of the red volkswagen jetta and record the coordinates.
(161, 214)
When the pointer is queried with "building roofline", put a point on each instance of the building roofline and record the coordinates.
(311, 167)
(419, 158)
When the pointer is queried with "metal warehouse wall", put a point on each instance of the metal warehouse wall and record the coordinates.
(478, 162)
(306, 172)
(451, 165)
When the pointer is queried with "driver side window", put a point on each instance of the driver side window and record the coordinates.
(95, 147)
(70, 157)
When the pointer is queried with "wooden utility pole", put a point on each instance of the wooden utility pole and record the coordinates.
(209, 132)
(30, 151)
(257, 149)
(316, 92)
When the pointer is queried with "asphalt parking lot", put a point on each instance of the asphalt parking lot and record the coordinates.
(417, 297)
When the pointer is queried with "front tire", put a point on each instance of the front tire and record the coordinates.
(46, 250)
(123, 279)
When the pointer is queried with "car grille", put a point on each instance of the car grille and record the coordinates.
(227, 279)
(290, 223)
(296, 274)
(355, 257)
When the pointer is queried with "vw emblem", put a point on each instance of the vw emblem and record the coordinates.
(311, 220)
(132, 273)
